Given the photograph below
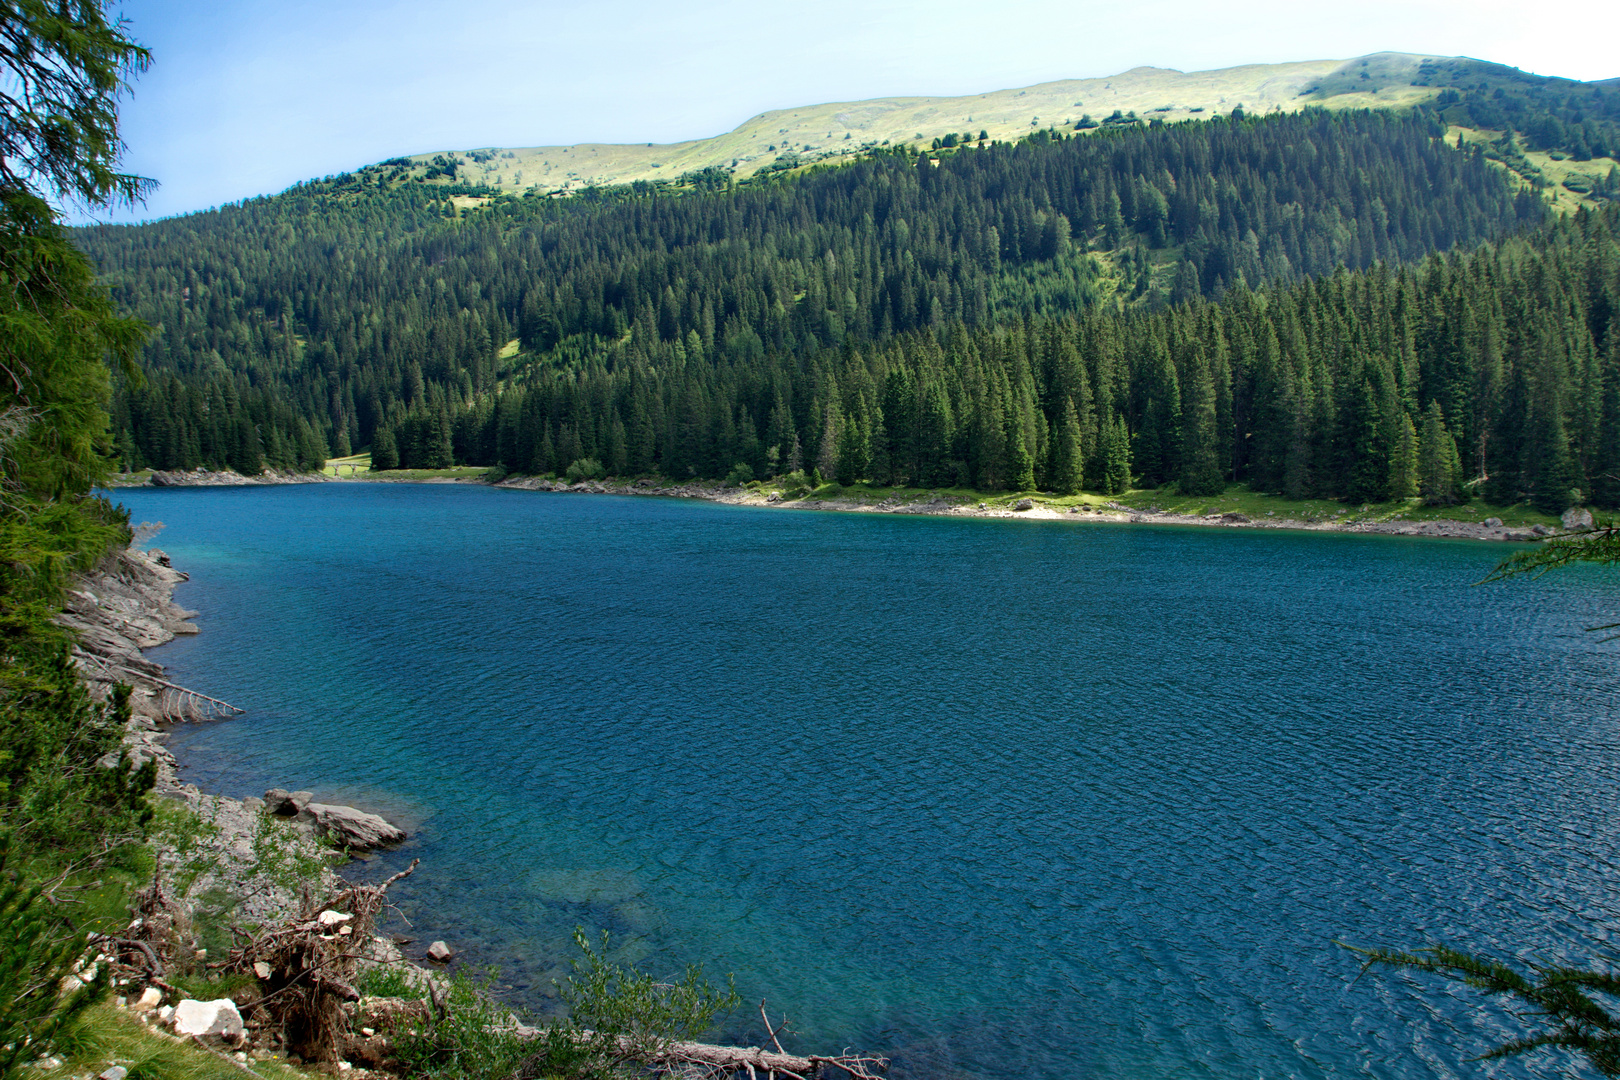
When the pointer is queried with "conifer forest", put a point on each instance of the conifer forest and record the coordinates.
(1321, 304)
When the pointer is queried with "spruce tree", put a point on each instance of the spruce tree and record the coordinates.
(1069, 456)
(1437, 459)
(1403, 463)
(853, 457)
(1116, 457)
(384, 451)
(1200, 455)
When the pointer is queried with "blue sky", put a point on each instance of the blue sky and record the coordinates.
(248, 98)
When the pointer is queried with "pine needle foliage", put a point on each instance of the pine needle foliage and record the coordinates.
(1600, 545)
(36, 959)
(1574, 1008)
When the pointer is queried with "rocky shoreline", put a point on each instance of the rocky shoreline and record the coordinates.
(932, 503)
(1038, 508)
(208, 478)
(125, 606)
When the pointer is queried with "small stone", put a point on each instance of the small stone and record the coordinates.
(261, 969)
(150, 999)
(208, 1018)
(439, 953)
(253, 802)
(368, 1032)
(334, 918)
(166, 1013)
(116, 1072)
(240, 1057)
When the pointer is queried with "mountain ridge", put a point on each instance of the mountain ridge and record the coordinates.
(833, 132)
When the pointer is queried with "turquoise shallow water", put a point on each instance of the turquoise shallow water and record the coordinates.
(1000, 798)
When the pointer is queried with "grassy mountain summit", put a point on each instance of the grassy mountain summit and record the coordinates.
(837, 131)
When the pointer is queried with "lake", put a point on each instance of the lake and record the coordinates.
(999, 798)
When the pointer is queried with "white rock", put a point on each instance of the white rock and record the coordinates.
(208, 1018)
(261, 969)
(439, 952)
(116, 1072)
(150, 999)
(334, 918)
(166, 1013)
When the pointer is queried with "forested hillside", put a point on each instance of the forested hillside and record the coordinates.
(1362, 386)
(302, 324)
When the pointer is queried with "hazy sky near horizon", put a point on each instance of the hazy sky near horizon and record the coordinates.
(247, 98)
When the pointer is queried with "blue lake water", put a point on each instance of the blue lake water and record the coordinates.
(999, 798)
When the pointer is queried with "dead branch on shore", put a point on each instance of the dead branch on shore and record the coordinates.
(308, 965)
(710, 1061)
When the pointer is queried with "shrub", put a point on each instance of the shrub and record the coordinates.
(584, 469)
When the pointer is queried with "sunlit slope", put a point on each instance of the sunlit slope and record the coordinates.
(835, 131)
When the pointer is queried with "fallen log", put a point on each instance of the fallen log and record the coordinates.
(727, 1060)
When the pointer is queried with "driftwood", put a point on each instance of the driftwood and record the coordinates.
(179, 701)
(710, 1060)
(307, 966)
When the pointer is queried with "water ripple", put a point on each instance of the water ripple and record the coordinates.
(1001, 798)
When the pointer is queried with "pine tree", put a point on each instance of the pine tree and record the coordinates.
(1068, 472)
(1200, 454)
(1403, 464)
(384, 450)
(1116, 457)
(1437, 459)
(853, 455)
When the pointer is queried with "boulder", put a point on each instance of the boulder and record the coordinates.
(215, 1019)
(353, 828)
(284, 803)
(1542, 530)
(1234, 518)
(1577, 519)
(1492, 523)
(1024, 504)
(439, 953)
